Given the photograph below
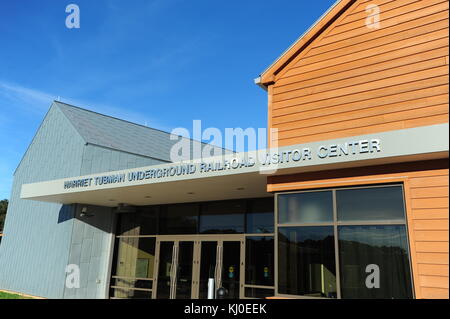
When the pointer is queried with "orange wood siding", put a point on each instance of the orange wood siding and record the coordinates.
(426, 187)
(352, 80)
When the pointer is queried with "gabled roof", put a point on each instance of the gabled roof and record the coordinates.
(267, 77)
(110, 132)
(120, 135)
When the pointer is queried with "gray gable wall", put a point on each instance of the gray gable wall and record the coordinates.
(41, 239)
(34, 250)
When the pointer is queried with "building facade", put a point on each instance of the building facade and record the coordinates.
(349, 201)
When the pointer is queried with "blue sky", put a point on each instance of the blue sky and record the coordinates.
(162, 63)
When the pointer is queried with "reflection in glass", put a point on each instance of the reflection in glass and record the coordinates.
(143, 222)
(306, 261)
(259, 259)
(132, 283)
(178, 219)
(207, 266)
(259, 292)
(309, 207)
(231, 268)
(383, 246)
(165, 270)
(184, 270)
(376, 203)
(225, 217)
(131, 294)
(136, 257)
(260, 217)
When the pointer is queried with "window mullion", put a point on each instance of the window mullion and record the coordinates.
(336, 247)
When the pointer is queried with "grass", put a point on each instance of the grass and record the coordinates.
(4, 295)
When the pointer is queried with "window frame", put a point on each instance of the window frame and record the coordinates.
(113, 275)
(249, 204)
(335, 224)
(245, 285)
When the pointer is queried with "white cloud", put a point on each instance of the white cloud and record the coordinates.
(32, 100)
(24, 98)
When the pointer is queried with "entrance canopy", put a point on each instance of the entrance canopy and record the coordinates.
(240, 175)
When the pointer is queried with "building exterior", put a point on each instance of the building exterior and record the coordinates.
(351, 201)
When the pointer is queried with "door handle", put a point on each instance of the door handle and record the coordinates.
(173, 272)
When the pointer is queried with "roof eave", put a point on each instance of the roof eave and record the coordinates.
(268, 75)
(260, 84)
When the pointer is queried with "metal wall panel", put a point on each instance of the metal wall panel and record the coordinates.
(35, 248)
(41, 239)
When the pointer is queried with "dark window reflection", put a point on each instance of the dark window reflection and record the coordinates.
(184, 271)
(231, 268)
(260, 218)
(227, 217)
(259, 259)
(132, 283)
(131, 294)
(142, 222)
(309, 207)
(165, 270)
(179, 219)
(148, 220)
(378, 203)
(207, 266)
(306, 261)
(259, 292)
(135, 257)
(383, 246)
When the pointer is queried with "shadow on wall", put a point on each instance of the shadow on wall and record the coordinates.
(66, 213)
(95, 216)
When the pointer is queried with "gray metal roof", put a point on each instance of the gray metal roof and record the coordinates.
(117, 134)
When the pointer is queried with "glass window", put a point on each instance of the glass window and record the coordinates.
(179, 219)
(207, 266)
(310, 207)
(378, 255)
(136, 257)
(132, 283)
(306, 260)
(184, 270)
(260, 217)
(231, 270)
(127, 225)
(376, 203)
(259, 292)
(143, 222)
(131, 294)
(259, 259)
(148, 220)
(165, 270)
(227, 217)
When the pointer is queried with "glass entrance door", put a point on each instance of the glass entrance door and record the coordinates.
(231, 270)
(220, 264)
(174, 269)
(190, 266)
(208, 267)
